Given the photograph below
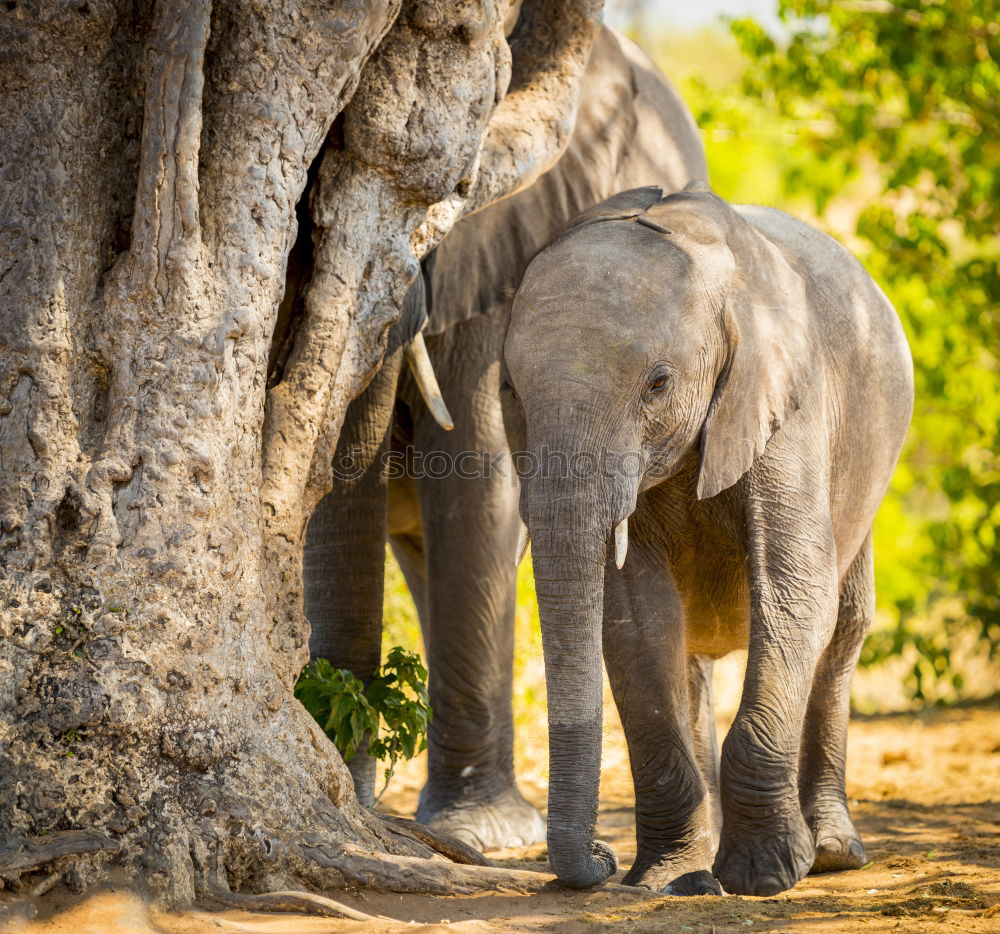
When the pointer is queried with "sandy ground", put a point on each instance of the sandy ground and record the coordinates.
(925, 793)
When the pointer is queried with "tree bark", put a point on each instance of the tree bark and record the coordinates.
(153, 492)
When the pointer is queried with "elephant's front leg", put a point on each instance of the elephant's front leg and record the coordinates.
(344, 557)
(468, 509)
(647, 666)
(766, 845)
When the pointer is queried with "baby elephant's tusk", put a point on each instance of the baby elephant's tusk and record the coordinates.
(423, 373)
(522, 544)
(621, 542)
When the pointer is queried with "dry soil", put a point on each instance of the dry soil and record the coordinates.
(924, 789)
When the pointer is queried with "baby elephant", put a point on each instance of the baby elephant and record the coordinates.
(710, 401)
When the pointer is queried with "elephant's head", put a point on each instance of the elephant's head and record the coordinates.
(652, 331)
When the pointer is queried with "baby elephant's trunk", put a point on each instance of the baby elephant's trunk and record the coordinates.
(571, 524)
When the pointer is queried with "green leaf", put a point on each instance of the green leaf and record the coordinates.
(348, 710)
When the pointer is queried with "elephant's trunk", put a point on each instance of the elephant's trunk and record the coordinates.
(571, 522)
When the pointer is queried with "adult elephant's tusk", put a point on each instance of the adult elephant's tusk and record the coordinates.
(423, 373)
(621, 542)
(522, 544)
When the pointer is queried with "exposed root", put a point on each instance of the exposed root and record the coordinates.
(47, 884)
(438, 840)
(298, 902)
(29, 854)
(335, 863)
(415, 875)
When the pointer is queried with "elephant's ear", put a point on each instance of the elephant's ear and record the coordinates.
(767, 367)
(623, 206)
(762, 303)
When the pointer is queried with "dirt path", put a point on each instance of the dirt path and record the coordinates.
(925, 792)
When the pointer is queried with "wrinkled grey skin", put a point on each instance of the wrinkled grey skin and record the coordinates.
(765, 384)
(455, 537)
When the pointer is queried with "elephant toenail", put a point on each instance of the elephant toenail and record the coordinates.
(768, 885)
(693, 883)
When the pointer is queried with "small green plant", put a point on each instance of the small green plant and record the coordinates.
(69, 739)
(348, 710)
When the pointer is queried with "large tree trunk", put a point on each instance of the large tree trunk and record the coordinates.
(153, 493)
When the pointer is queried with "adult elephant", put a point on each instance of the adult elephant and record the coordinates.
(455, 534)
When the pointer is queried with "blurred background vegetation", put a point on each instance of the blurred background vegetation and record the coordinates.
(880, 122)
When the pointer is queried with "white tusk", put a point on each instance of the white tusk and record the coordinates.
(423, 373)
(621, 542)
(522, 544)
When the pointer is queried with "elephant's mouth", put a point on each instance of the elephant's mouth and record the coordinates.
(620, 539)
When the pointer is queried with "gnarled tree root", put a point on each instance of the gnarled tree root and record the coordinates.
(441, 842)
(413, 875)
(416, 875)
(31, 853)
(298, 902)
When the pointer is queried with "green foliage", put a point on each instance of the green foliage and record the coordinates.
(71, 739)
(399, 695)
(897, 104)
(349, 711)
(337, 702)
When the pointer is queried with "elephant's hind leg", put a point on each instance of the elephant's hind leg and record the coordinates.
(824, 743)
(469, 536)
(706, 742)
(643, 650)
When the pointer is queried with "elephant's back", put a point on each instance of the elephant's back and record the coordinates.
(666, 148)
(866, 368)
(855, 327)
(632, 129)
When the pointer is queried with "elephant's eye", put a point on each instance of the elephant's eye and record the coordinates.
(506, 389)
(657, 384)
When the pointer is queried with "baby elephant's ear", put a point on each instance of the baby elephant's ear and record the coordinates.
(620, 207)
(767, 367)
(698, 185)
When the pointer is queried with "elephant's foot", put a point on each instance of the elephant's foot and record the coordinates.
(701, 882)
(838, 846)
(766, 858)
(662, 878)
(504, 820)
(676, 868)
